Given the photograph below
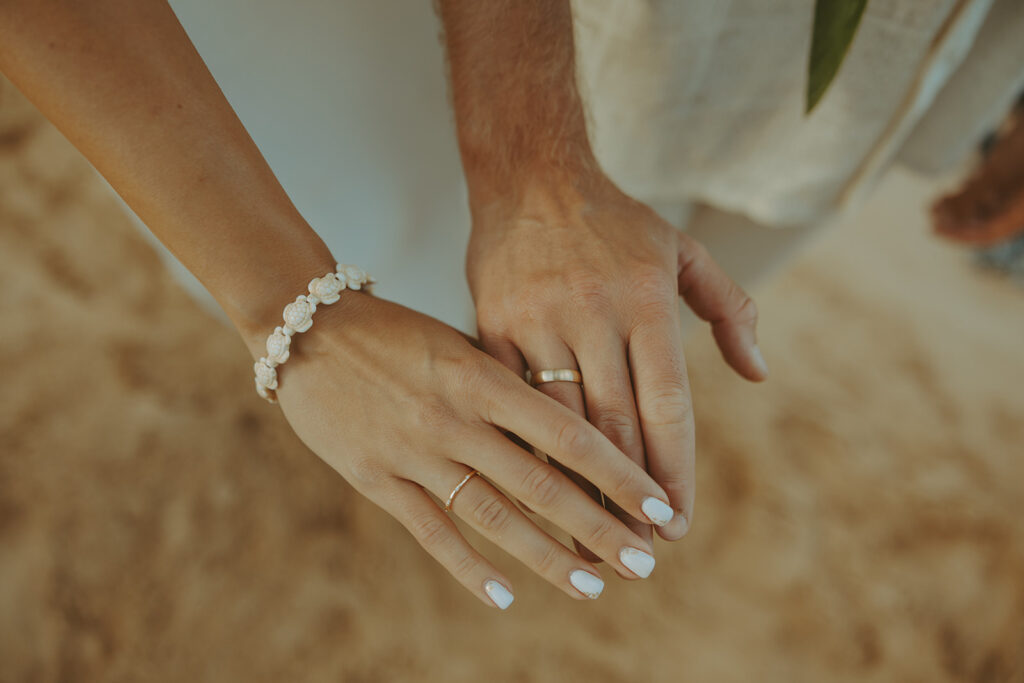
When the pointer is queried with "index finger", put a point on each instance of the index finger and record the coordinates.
(666, 414)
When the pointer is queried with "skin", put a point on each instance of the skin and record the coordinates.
(420, 404)
(566, 270)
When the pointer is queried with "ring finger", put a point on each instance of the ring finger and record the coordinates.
(495, 516)
(434, 530)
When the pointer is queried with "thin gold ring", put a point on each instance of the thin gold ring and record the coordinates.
(455, 491)
(557, 375)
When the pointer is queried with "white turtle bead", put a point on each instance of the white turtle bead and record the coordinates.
(355, 276)
(278, 345)
(265, 375)
(264, 393)
(299, 314)
(326, 288)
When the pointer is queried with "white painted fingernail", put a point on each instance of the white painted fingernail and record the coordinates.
(586, 583)
(759, 360)
(498, 594)
(657, 511)
(637, 561)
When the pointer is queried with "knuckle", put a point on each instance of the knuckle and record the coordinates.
(522, 310)
(653, 288)
(429, 529)
(603, 534)
(619, 425)
(533, 297)
(626, 483)
(366, 472)
(651, 311)
(548, 561)
(470, 368)
(667, 404)
(543, 486)
(674, 481)
(478, 376)
(491, 320)
(465, 567)
(484, 372)
(492, 514)
(695, 249)
(587, 291)
(434, 414)
(692, 256)
(572, 437)
(747, 311)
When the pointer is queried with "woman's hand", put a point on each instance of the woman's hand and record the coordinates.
(404, 406)
(398, 403)
(578, 275)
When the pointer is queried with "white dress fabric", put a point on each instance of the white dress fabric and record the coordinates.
(689, 102)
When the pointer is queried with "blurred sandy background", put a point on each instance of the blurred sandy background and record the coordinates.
(858, 515)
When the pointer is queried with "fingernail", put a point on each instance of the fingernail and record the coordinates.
(498, 594)
(759, 360)
(684, 523)
(586, 583)
(657, 511)
(637, 561)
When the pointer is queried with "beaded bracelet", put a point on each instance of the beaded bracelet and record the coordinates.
(298, 317)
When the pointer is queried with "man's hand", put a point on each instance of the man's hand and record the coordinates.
(589, 280)
(567, 271)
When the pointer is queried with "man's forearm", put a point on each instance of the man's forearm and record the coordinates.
(518, 114)
(122, 81)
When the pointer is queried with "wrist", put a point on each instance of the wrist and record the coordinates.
(548, 193)
(259, 280)
(349, 302)
(497, 165)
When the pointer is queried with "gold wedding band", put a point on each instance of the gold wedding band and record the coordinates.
(455, 491)
(559, 375)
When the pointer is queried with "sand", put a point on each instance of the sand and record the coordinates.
(858, 515)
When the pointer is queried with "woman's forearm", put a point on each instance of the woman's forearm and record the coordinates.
(122, 81)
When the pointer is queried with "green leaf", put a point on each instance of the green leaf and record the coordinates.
(835, 23)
